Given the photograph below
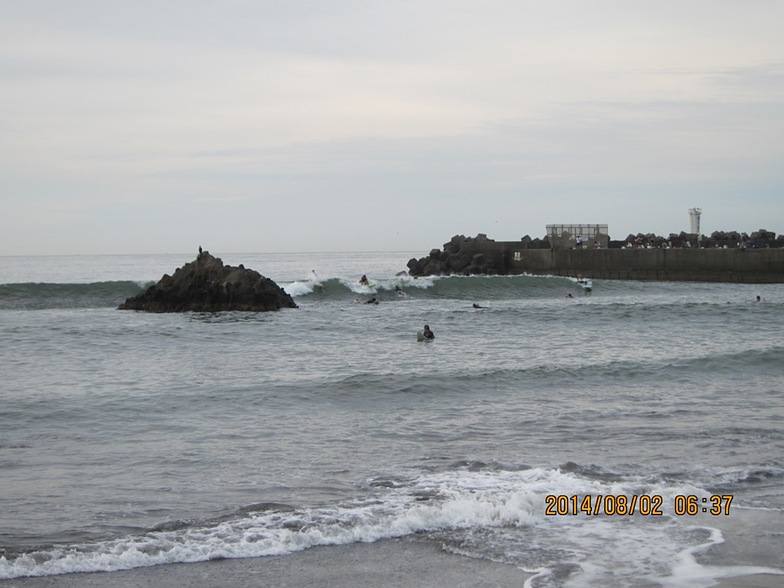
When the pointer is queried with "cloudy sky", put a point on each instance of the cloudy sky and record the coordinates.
(149, 126)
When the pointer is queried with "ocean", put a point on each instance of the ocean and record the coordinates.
(630, 436)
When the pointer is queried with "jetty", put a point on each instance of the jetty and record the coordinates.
(639, 257)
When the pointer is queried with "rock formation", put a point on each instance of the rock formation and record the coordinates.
(450, 260)
(206, 285)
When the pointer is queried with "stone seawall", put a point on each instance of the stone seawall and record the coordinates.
(752, 266)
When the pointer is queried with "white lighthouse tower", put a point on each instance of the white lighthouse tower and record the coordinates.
(694, 216)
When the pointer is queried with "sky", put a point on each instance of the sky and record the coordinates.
(143, 126)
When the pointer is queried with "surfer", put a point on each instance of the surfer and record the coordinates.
(475, 305)
(428, 333)
(314, 279)
(586, 284)
(363, 280)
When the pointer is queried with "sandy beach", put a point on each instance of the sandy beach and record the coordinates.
(755, 581)
(389, 564)
(386, 564)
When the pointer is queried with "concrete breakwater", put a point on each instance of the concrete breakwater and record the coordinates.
(484, 256)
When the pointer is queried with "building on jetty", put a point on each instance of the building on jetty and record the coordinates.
(578, 236)
(693, 258)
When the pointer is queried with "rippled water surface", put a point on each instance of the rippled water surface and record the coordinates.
(129, 439)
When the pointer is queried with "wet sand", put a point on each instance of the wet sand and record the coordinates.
(385, 564)
(755, 581)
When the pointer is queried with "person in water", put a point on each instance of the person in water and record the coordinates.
(363, 280)
(428, 333)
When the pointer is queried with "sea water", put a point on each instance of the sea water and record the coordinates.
(585, 438)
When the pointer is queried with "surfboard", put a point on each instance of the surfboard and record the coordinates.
(420, 336)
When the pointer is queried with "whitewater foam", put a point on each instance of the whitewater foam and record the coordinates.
(490, 504)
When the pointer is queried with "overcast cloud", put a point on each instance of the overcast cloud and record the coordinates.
(252, 126)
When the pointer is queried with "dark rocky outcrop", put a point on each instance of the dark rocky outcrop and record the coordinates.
(463, 256)
(761, 239)
(451, 260)
(206, 285)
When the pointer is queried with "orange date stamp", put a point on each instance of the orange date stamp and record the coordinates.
(635, 504)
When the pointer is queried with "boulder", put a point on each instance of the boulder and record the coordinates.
(206, 285)
(433, 267)
(451, 260)
(457, 262)
(454, 242)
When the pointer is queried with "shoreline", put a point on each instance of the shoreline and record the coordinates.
(387, 563)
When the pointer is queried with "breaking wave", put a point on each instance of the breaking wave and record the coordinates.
(474, 509)
(434, 287)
